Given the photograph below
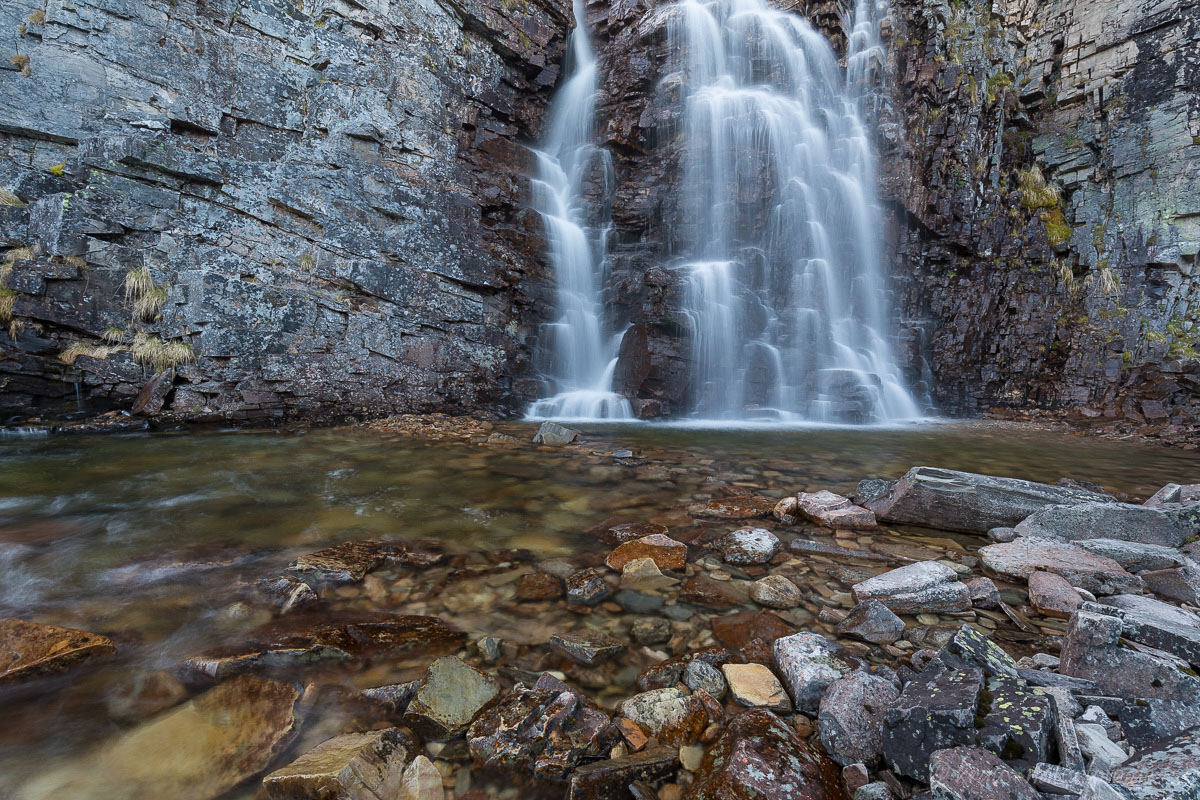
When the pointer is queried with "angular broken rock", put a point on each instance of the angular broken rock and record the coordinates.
(1053, 595)
(1170, 772)
(1169, 527)
(586, 648)
(348, 562)
(1174, 493)
(916, 588)
(611, 777)
(984, 593)
(554, 434)
(620, 534)
(808, 663)
(834, 511)
(1158, 624)
(968, 647)
(353, 766)
(421, 781)
(587, 587)
(775, 591)
(748, 546)
(872, 621)
(672, 715)
(759, 756)
(755, 686)
(1024, 556)
(931, 714)
(972, 773)
(964, 501)
(1134, 556)
(665, 552)
(1017, 722)
(1181, 584)
(29, 650)
(450, 695)
(700, 676)
(850, 720)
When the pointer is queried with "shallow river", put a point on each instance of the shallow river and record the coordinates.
(147, 538)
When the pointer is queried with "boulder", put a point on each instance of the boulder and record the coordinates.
(554, 434)
(1092, 650)
(916, 588)
(963, 501)
(1016, 722)
(1168, 527)
(354, 766)
(587, 648)
(1098, 748)
(1021, 558)
(984, 593)
(450, 695)
(748, 546)
(775, 591)
(850, 719)
(1173, 493)
(972, 773)
(808, 663)
(665, 552)
(1181, 584)
(1158, 624)
(872, 621)
(932, 713)
(198, 751)
(1134, 556)
(1053, 595)
(1168, 772)
(611, 777)
(31, 649)
(755, 686)
(834, 511)
(759, 756)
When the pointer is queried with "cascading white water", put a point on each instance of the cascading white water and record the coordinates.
(780, 253)
(583, 353)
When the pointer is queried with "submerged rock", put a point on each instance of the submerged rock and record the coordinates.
(587, 648)
(612, 777)
(917, 588)
(872, 621)
(736, 508)
(758, 756)
(850, 719)
(748, 546)
(808, 663)
(348, 562)
(665, 552)
(964, 501)
(540, 586)
(29, 650)
(354, 766)
(972, 773)
(1021, 558)
(1169, 527)
(197, 752)
(587, 587)
(448, 698)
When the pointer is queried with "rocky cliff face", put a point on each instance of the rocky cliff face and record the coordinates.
(306, 208)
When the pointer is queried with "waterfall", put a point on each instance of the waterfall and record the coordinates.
(778, 243)
(583, 354)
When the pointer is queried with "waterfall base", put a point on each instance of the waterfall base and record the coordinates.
(582, 404)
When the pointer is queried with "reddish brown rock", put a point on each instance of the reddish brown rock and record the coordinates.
(736, 508)
(834, 511)
(752, 633)
(704, 591)
(29, 649)
(540, 586)
(1053, 595)
(664, 551)
(670, 672)
(620, 534)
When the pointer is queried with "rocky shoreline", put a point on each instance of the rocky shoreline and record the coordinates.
(944, 635)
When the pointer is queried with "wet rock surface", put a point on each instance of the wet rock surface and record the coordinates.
(449, 696)
(354, 766)
(31, 650)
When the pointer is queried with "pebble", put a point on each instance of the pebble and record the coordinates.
(775, 591)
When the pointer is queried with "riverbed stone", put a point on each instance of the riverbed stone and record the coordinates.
(736, 508)
(421, 780)
(665, 552)
(651, 630)
(808, 663)
(968, 502)
(450, 695)
(775, 591)
(984, 593)
(973, 773)
(198, 751)
(670, 672)
(348, 562)
(850, 718)
(932, 713)
(611, 777)
(759, 756)
(587, 587)
(585, 647)
(629, 531)
(705, 591)
(672, 715)
(1169, 526)
(700, 676)
(872, 621)
(916, 588)
(643, 575)
(755, 686)
(552, 433)
(31, 649)
(834, 511)
(353, 766)
(1021, 558)
(1053, 595)
(287, 593)
(539, 586)
(1134, 556)
(1168, 772)
(748, 546)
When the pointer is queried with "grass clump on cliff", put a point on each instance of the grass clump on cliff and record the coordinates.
(147, 305)
(153, 352)
(7, 298)
(1035, 191)
(21, 62)
(78, 349)
(7, 198)
(37, 17)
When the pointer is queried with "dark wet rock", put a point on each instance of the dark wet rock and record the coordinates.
(670, 672)
(755, 686)
(546, 730)
(300, 640)
(775, 591)
(587, 587)
(29, 650)
(736, 508)
(700, 676)
(665, 552)
(1168, 527)
(850, 719)
(639, 602)
(963, 501)
(1158, 624)
(354, 766)
(1017, 722)
(1021, 558)
(540, 586)
(916, 588)
(1053, 595)
(834, 511)
(1134, 556)
(450, 695)
(587, 648)
(968, 647)
(610, 778)
(651, 630)
(1092, 650)
(287, 593)
(627, 532)
(348, 562)
(872, 621)
(1175, 493)
(748, 546)
(972, 773)
(837, 551)
(759, 756)
(394, 698)
(554, 434)
(199, 751)
(704, 591)
(751, 633)
(1181, 584)
(808, 663)
(984, 593)
(931, 714)
(672, 715)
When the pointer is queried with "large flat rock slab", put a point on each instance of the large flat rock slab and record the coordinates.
(354, 766)
(29, 650)
(1022, 557)
(927, 586)
(1166, 527)
(968, 502)
(1169, 773)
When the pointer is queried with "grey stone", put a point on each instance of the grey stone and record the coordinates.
(1002, 534)
(555, 434)
(1058, 780)
(833, 511)
(964, 501)
(873, 791)
(1158, 624)
(700, 676)
(1021, 558)
(971, 773)
(808, 663)
(748, 546)
(1133, 556)
(872, 621)
(1095, 744)
(587, 647)
(1018, 722)
(1092, 650)
(1169, 527)
(932, 713)
(984, 593)
(651, 630)
(970, 648)
(489, 648)
(850, 718)
(915, 588)
(1181, 584)
(1174, 493)
(775, 591)
(450, 695)
(637, 602)
(1170, 772)
(353, 766)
